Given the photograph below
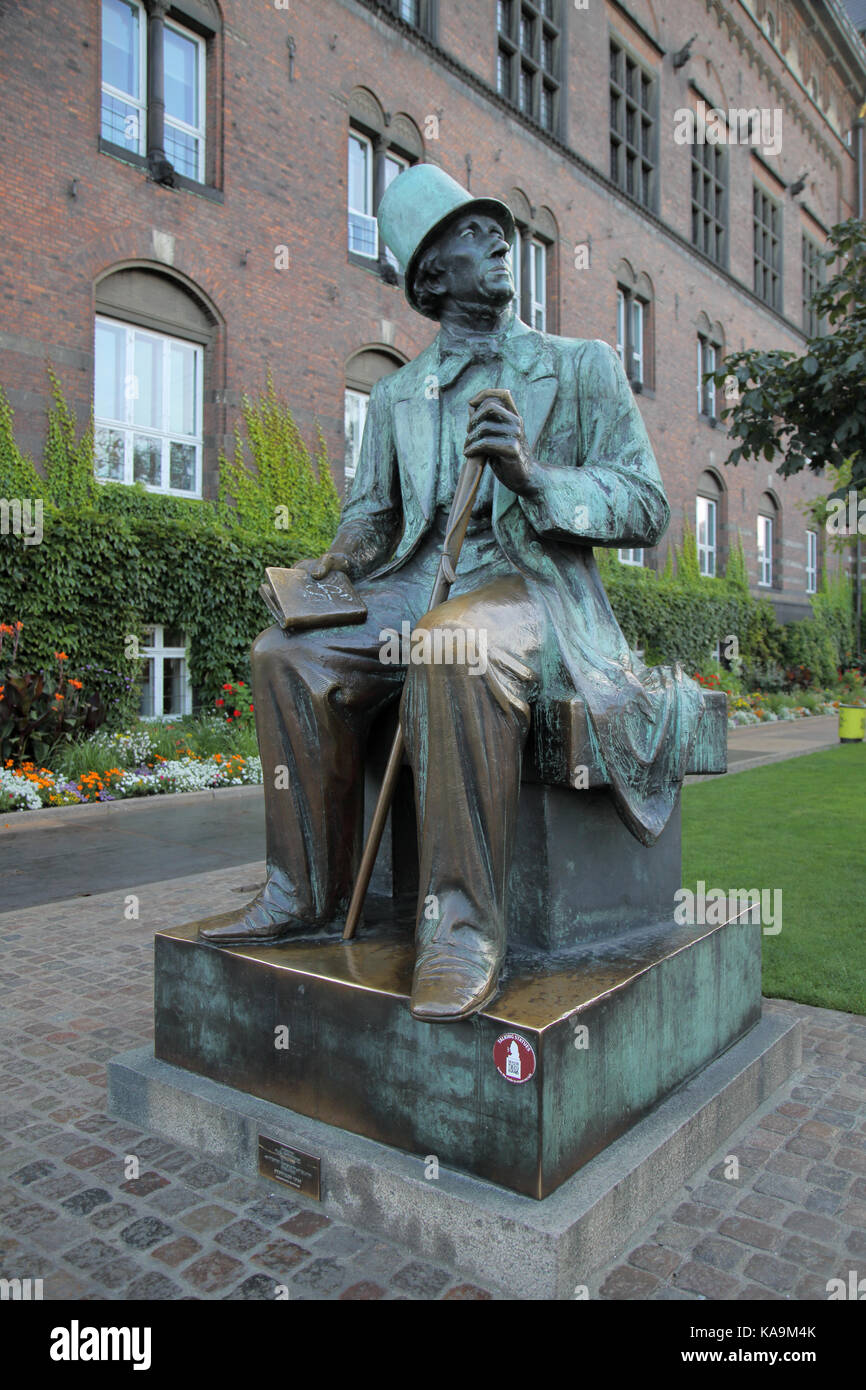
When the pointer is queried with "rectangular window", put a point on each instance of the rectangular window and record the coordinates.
(631, 557)
(528, 57)
(165, 688)
(709, 201)
(706, 386)
(147, 409)
(765, 551)
(184, 101)
(356, 405)
(767, 239)
(537, 285)
(813, 271)
(631, 326)
(632, 127)
(363, 231)
(124, 75)
(705, 534)
(811, 562)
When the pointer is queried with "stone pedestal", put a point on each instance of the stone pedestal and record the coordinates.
(595, 1037)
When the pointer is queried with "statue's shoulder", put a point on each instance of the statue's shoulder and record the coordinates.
(405, 379)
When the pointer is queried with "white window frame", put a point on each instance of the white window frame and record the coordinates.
(708, 526)
(707, 359)
(158, 653)
(140, 102)
(172, 122)
(129, 429)
(811, 562)
(537, 291)
(631, 335)
(766, 539)
(368, 216)
(363, 402)
(632, 556)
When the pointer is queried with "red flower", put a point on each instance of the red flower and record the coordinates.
(220, 702)
(237, 714)
(227, 687)
(252, 709)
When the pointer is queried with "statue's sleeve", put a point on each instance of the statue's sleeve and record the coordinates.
(611, 493)
(372, 516)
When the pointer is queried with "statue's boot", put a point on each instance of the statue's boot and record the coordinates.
(274, 914)
(457, 962)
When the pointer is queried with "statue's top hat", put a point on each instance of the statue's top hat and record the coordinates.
(417, 206)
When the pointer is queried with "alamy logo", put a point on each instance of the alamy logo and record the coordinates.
(77, 1343)
(20, 1290)
(709, 125)
(437, 646)
(22, 517)
(715, 907)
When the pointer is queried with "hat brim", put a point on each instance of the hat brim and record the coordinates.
(492, 206)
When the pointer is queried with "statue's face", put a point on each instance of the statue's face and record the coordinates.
(472, 253)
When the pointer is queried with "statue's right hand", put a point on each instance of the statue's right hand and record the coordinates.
(331, 560)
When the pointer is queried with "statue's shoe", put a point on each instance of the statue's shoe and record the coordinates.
(273, 915)
(449, 985)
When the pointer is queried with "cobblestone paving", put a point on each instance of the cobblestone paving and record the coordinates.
(76, 980)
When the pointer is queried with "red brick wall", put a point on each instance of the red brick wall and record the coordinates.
(283, 161)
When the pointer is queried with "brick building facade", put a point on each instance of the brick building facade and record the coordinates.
(190, 192)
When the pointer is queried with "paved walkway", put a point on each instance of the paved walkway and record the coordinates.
(76, 981)
(49, 856)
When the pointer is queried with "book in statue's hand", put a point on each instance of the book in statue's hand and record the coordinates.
(297, 601)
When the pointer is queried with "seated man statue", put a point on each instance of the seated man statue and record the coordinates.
(571, 468)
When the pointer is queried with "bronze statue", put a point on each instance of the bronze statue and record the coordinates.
(570, 468)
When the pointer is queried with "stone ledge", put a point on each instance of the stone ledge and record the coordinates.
(536, 1250)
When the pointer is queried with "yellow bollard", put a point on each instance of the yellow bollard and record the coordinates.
(852, 723)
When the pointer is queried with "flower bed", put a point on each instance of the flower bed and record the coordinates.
(28, 788)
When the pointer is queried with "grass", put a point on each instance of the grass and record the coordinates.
(798, 825)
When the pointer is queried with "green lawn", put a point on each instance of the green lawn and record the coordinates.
(798, 825)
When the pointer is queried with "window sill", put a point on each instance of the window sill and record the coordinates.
(374, 267)
(138, 161)
(710, 420)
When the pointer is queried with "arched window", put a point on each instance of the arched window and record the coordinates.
(380, 148)
(635, 326)
(710, 353)
(363, 370)
(153, 342)
(708, 524)
(534, 263)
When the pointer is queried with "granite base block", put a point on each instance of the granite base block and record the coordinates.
(535, 1250)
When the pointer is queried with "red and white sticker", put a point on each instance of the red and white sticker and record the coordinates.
(514, 1057)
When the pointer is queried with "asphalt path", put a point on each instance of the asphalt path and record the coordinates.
(161, 838)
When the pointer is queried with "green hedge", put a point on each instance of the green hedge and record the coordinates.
(97, 579)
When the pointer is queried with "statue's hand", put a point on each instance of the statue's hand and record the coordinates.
(331, 560)
(496, 431)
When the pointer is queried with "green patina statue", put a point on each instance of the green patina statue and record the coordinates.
(569, 468)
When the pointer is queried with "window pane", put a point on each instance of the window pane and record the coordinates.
(145, 388)
(181, 77)
(108, 451)
(146, 701)
(121, 123)
(182, 150)
(120, 46)
(146, 460)
(182, 466)
(109, 370)
(174, 637)
(172, 685)
(355, 415)
(182, 388)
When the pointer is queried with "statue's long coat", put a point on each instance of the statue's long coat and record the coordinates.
(602, 487)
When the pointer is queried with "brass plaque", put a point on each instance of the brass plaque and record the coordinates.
(302, 1172)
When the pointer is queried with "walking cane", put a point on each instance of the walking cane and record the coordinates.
(455, 533)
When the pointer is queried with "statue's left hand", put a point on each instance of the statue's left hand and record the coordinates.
(496, 431)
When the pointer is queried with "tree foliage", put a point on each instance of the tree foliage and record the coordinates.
(809, 409)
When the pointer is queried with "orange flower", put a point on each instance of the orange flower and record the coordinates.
(77, 684)
(61, 656)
